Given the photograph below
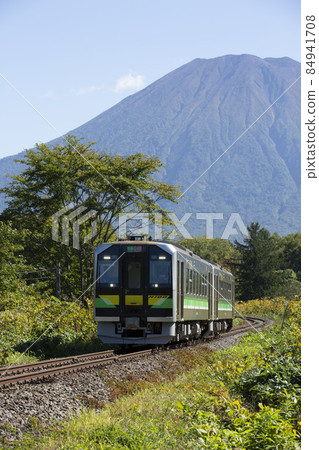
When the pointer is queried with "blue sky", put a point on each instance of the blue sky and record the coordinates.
(73, 60)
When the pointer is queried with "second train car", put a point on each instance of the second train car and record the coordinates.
(149, 292)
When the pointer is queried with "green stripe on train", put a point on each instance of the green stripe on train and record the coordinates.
(222, 304)
(193, 302)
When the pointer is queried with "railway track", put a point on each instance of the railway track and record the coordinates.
(45, 370)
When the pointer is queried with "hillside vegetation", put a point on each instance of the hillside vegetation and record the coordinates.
(245, 397)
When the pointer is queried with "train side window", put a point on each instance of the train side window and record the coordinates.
(205, 285)
(195, 282)
(191, 281)
(187, 280)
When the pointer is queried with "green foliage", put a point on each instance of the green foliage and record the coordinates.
(266, 264)
(290, 247)
(210, 404)
(271, 382)
(74, 173)
(114, 437)
(218, 250)
(41, 326)
(12, 263)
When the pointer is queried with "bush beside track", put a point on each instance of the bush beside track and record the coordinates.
(244, 397)
(58, 328)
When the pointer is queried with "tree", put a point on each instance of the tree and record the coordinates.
(291, 254)
(12, 263)
(256, 270)
(75, 174)
(218, 250)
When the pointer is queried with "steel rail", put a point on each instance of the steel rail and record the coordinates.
(68, 368)
(42, 370)
(27, 367)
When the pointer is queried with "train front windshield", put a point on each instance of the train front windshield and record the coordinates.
(134, 267)
(132, 279)
(108, 269)
(160, 268)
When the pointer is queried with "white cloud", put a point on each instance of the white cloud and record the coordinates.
(89, 90)
(129, 81)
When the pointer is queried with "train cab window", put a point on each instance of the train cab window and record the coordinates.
(108, 268)
(160, 268)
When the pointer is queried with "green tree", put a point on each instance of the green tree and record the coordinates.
(291, 254)
(12, 263)
(218, 250)
(74, 173)
(256, 269)
(289, 268)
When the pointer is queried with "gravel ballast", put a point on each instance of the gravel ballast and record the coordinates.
(30, 407)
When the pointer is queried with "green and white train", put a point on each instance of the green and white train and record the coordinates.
(149, 292)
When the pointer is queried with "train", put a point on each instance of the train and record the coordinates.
(156, 292)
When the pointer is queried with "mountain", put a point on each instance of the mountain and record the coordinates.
(236, 105)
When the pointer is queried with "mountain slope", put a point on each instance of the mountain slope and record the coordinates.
(203, 109)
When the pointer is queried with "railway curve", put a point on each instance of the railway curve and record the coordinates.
(44, 370)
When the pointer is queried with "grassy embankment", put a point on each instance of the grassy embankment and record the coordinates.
(46, 326)
(245, 397)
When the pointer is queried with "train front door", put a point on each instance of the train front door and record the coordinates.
(133, 286)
